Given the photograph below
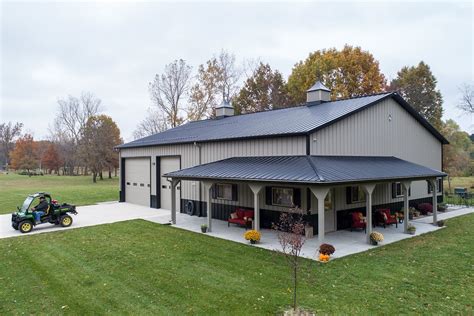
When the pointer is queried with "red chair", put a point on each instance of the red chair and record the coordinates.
(384, 218)
(358, 221)
(241, 217)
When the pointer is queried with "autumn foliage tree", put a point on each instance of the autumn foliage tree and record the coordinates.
(23, 156)
(417, 85)
(348, 72)
(264, 90)
(52, 160)
(99, 137)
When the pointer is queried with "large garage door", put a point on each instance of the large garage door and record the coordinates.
(169, 164)
(137, 181)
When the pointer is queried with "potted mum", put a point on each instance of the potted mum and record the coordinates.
(204, 228)
(411, 229)
(375, 238)
(253, 236)
(325, 252)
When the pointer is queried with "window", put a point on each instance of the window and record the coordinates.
(397, 190)
(283, 197)
(355, 195)
(225, 191)
(439, 185)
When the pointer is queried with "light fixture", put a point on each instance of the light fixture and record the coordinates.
(390, 117)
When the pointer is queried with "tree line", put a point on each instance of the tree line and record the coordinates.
(178, 95)
(81, 141)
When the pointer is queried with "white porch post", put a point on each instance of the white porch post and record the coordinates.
(320, 194)
(207, 189)
(174, 183)
(368, 189)
(406, 204)
(434, 185)
(256, 188)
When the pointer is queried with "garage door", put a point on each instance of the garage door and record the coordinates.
(137, 181)
(169, 164)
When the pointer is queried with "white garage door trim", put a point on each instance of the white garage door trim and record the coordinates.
(138, 180)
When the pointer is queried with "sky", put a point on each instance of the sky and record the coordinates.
(50, 50)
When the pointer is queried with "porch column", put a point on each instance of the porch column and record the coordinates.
(208, 190)
(368, 189)
(320, 194)
(406, 204)
(256, 188)
(434, 185)
(174, 183)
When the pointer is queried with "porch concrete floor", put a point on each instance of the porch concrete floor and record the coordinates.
(345, 241)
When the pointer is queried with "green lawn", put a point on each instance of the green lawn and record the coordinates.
(77, 190)
(139, 267)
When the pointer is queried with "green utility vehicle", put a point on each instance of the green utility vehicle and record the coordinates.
(57, 214)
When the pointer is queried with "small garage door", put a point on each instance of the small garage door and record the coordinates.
(137, 181)
(169, 164)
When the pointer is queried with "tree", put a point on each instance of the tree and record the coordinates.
(264, 90)
(23, 156)
(291, 235)
(52, 159)
(457, 154)
(348, 73)
(8, 134)
(216, 82)
(69, 124)
(168, 89)
(417, 85)
(466, 104)
(99, 137)
(153, 123)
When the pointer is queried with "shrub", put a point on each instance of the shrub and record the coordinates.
(376, 236)
(326, 249)
(411, 228)
(252, 235)
(203, 226)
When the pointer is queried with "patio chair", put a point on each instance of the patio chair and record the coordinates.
(358, 221)
(384, 218)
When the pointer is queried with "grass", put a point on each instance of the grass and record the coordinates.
(78, 190)
(139, 267)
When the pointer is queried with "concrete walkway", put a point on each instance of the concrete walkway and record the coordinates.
(102, 213)
(345, 241)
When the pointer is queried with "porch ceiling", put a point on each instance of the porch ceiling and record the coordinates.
(308, 169)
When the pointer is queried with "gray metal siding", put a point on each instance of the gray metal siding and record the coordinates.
(370, 133)
(214, 151)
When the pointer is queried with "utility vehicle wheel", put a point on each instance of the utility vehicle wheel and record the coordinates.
(65, 220)
(25, 226)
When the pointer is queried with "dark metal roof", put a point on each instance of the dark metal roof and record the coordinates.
(308, 169)
(318, 86)
(292, 121)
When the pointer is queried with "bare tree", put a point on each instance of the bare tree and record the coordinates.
(466, 103)
(229, 75)
(153, 123)
(168, 89)
(291, 235)
(216, 81)
(69, 123)
(8, 133)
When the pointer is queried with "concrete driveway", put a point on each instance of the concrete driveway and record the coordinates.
(103, 213)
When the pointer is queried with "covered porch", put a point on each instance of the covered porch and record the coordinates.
(318, 175)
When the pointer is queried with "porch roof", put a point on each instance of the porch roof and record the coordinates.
(308, 169)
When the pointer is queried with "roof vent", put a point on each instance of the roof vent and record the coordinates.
(318, 93)
(224, 110)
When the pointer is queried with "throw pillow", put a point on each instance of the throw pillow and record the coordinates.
(384, 216)
(233, 215)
